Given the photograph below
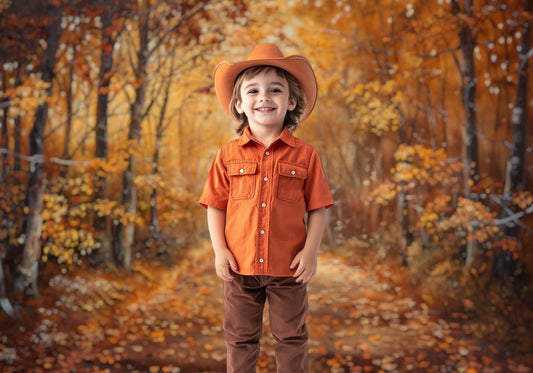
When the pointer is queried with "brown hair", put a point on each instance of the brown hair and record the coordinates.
(292, 118)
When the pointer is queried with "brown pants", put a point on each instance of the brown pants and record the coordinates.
(244, 299)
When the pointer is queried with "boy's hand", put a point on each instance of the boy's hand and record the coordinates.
(305, 264)
(305, 260)
(224, 260)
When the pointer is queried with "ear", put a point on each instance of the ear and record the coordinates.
(292, 104)
(238, 107)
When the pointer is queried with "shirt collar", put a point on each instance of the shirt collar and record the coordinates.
(286, 136)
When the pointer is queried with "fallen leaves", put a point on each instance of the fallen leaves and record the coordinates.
(359, 321)
(374, 337)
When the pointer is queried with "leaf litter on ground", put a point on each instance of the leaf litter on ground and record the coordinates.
(364, 316)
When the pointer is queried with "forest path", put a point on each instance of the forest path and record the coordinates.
(364, 316)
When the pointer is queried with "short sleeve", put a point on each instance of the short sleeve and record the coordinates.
(316, 188)
(216, 188)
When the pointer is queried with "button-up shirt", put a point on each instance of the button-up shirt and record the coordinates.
(266, 193)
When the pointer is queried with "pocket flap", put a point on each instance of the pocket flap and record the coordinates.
(292, 170)
(237, 169)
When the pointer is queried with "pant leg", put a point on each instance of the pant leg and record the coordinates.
(244, 300)
(288, 306)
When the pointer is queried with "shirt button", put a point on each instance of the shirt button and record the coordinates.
(241, 170)
(262, 231)
(266, 178)
(261, 260)
(263, 205)
(267, 153)
(293, 172)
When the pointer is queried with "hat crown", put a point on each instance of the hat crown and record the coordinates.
(265, 51)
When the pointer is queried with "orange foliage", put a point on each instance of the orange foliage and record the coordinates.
(471, 220)
(508, 244)
(421, 166)
(523, 199)
(433, 213)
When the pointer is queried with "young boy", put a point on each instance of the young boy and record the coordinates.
(258, 190)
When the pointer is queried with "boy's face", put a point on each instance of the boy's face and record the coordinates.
(265, 99)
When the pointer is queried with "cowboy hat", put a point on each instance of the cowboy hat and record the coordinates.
(270, 55)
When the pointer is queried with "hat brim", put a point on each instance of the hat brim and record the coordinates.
(298, 66)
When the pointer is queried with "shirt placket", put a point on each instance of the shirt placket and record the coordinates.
(264, 211)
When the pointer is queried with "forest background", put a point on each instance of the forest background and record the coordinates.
(109, 124)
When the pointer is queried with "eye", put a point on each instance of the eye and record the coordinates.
(251, 91)
(276, 90)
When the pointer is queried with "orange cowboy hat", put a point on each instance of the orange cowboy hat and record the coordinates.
(266, 54)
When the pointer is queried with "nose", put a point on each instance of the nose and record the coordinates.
(264, 96)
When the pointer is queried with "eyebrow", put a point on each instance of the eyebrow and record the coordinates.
(277, 83)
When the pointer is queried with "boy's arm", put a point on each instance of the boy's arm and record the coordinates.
(216, 221)
(305, 260)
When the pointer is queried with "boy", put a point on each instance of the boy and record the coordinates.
(258, 190)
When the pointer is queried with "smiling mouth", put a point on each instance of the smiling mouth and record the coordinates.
(265, 109)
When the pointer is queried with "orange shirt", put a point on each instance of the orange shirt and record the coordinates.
(266, 193)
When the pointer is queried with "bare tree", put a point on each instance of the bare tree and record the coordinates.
(146, 43)
(108, 39)
(27, 270)
(515, 179)
(468, 75)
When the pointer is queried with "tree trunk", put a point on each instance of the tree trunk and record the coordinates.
(403, 207)
(17, 147)
(155, 227)
(27, 271)
(126, 231)
(515, 179)
(4, 135)
(403, 210)
(519, 118)
(68, 124)
(103, 223)
(104, 80)
(471, 252)
(468, 75)
(5, 304)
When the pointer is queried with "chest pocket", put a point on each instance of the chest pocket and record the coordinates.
(242, 179)
(291, 181)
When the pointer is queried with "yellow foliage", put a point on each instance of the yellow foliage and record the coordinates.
(63, 234)
(375, 107)
(69, 209)
(419, 165)
(26, 97)
(434, 211)
(383, 194)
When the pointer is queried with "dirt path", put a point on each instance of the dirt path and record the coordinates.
(362, 319)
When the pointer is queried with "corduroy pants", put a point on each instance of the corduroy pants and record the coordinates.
(244, 300)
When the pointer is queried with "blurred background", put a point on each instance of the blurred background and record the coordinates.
(109, 124)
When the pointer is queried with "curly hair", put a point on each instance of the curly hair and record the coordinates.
(292, 118)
